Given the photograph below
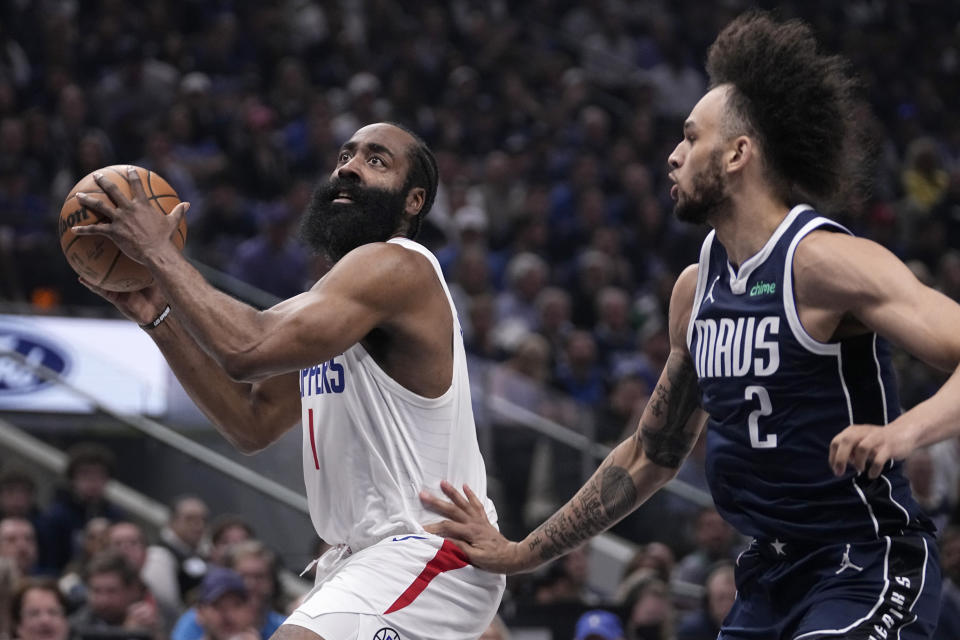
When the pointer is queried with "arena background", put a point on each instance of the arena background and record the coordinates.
(551, 122)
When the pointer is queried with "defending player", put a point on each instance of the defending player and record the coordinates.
(370, 360)
(774, 341)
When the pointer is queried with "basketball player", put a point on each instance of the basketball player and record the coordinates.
(370, 360)
(775, 342)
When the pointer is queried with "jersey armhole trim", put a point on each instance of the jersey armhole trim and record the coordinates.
(703, 272)
(789, 300)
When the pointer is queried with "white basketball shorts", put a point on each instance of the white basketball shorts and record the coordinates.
(407, 587)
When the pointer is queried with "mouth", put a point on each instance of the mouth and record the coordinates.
(675, 192)
(343, 197)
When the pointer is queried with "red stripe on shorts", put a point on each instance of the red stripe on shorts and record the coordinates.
(448, 558)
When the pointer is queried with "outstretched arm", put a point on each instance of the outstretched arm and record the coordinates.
(249, 416)
(366, 289)
(631, 473)
(880, 292)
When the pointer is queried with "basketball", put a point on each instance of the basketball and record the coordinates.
(97, 258)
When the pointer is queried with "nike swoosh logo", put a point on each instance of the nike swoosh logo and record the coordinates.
(407, 538)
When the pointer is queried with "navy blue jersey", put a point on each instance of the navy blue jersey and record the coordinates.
(777, 397)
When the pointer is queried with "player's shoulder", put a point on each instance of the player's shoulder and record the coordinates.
(681, 300)
(388, 260)
(685, 288)
(828, 264)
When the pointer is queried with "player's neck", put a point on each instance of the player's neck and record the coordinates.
(753, 217)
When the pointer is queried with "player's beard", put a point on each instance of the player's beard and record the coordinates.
(708, 195)
(334, 229)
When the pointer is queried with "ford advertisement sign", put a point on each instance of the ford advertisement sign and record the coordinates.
(111, 360)
(17, 377)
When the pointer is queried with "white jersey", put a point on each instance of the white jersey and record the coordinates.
(370, 445)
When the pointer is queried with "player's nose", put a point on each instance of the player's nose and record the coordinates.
(348, 171)
(675, 160)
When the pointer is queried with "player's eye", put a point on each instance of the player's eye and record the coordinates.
(343, 157)
(377, 160)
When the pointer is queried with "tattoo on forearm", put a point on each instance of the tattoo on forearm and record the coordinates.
(666, 439)
(608, 496)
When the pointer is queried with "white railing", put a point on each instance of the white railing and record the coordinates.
(168, 436)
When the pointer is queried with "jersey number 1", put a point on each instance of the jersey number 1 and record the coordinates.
(313, 440)
(770, 441)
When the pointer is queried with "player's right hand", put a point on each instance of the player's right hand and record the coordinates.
(468, 527)
(140, 306)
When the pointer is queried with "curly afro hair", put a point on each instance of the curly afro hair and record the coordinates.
(803, 107)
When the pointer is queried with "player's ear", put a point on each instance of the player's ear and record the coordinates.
(739, 153)
(415, 199)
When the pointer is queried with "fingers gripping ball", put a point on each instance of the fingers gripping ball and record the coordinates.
(96, 257)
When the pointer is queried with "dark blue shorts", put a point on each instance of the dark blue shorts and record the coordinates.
(877, 590)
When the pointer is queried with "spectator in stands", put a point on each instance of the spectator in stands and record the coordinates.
(481, 341)
(598, 624)
(654, 558)
(651, 614)
(89, 468)
(225, 531)
(18, 495)
(522, 381)
(579, 373)
(116, 601)
(129, 540)
(615, 337)
(527, 274)
(73, 581)
(920, 472)
(38, 612)
(565, 580)
(273, 260)
(618, 416)
(715, 540)
(553, 321)
(224, 609)
(181, 554)
(593, 271)
(18, 542)
(256, 565)
(720, 592)
(925, 179)
(226, 219)
(9, 580)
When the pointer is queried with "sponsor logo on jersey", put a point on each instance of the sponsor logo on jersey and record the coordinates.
(327, 377)
(737, 348)
(763, 288)
(395, 539)
(386, 634)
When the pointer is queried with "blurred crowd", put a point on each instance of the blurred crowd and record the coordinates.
(551, 121)
(79, 567)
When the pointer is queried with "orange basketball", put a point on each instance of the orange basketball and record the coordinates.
(97, 258)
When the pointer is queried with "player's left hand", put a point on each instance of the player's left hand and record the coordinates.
(135, 225)
(869, 447)
(469, 528)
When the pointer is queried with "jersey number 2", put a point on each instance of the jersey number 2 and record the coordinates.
(770, 441)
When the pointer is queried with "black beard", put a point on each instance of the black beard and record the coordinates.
(708, 195)
(334, 229)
